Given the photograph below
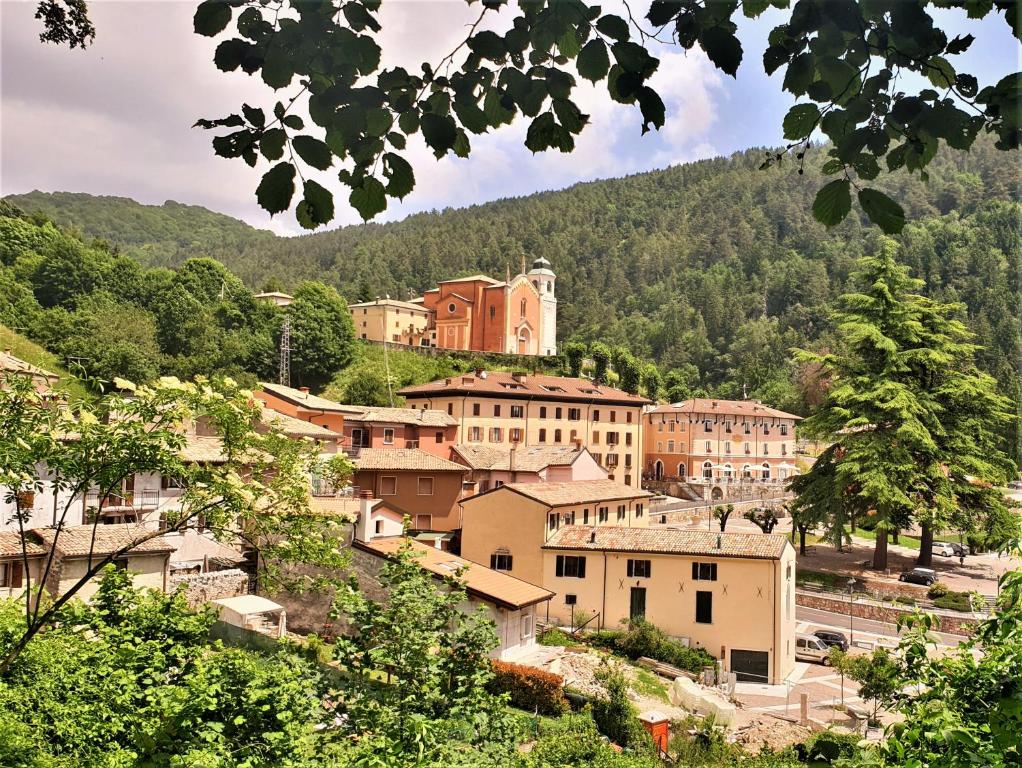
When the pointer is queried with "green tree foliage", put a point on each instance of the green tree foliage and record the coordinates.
(575, 353)
(847, 67)
(601, 354)
(877, 674)
(322, 334)
(366, 387)
(903, 367)
(615, 715)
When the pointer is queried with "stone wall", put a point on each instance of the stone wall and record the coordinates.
(202, 587)
(950, 622)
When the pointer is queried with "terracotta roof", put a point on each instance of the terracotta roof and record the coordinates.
(343, 507)
(203, 450)
(10, 545)
(469, 279)
(571, 492)
(670, 541)
(11, 364)
(76, 540)
(423, 417)
(272, 295)
(293, 427)
(390, 303)
(305, 399)
(528, 459)
(533, 386)
(494, 586)
(372, 459)
(747, 408)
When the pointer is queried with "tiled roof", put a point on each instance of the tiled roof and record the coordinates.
(390, 303)
(10, 545)
(529, 459)
(289, 425)
(572, 492)
(670, 541)
(77, 540)
(203, 450)
(480, 581)
(469, 279)
(423, 417)
(305, 399)
(11, 364)
(272, 295)
(372, 459)
(747, 408)
(532, 386)
(342, 507)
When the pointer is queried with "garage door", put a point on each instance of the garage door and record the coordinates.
(751, 666)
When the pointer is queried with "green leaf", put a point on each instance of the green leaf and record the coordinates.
(396, 139)
(369, 198)
(753, 8)
(401, 178)
(570, 115)
(634, 58)
(211, 18)
(488, 44)
(541, 133)
(800, 121)
(313, 151)
(271, 144)
(409, 122)
(593, 62)
(833, 202)
(473, 118)
(866, 166)
(723, 49)
(359, 18)
(254, 115)
(317, 207)
(277, 70)
(568, 43)
(229, 54)
(440, 132)
(277, 187)
(294, 122)
(378, 121)
(494, 109)
(940, 72)
(652, 108)
(882, 211)
(613, 26)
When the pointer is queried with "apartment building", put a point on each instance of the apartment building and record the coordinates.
(506, 527)
(717, 442)
(732, 594)
(503, 409)
(392, 321)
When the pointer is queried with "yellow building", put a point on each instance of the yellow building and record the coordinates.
(732, 594)
(506, 527)
(396, 322)
(500, 408)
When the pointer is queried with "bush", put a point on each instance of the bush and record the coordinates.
(937, 589)
(605, 638)
(530, 689)
(555, 637)
(827, 747)
(954, 601)
(645, 639)
(615, 715)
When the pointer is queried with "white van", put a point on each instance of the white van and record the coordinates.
(809, 648)
(944, 548)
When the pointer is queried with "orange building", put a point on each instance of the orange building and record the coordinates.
(719, 442)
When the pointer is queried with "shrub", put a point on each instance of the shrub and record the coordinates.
(614, 714)
(827, 746)
(645, 639)
(954, 601)
(528, 688)
(555, 637)
(605, 638)
(937, 589)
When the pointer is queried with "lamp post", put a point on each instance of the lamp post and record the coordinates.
(851, 623)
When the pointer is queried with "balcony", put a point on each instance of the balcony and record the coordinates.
(124, 501)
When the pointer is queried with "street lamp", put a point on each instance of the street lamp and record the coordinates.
(851, 623)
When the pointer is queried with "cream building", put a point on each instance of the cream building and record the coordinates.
(499, 408)
(393, 321)
(732, 594)
(506, 527)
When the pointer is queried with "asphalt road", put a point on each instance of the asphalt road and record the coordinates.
(865, 629)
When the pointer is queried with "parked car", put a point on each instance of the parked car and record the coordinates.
(944, 549)
(1015, 485)
(960, 551)
(832, 639)
(924, 576)
(811, 648)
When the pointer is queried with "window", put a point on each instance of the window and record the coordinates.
(527, 626)
(379, 526)
(450, 409)
(620, 511)
(748, 449)
(596, 438)
(585, 518)
(557, 435)
(515, 435)
(517, 411)
(501, 561)
(557, 413)
(639, 569)
(423, 522)
(612, 438)
(638, 510)
(425, 486)
(670, 446)
(452, 307)
(596, 415)
(497, 483)
(523, 307)
(704, 571)
(475, 409)
(766, 449)
(727, 447)
(569, 518)
(628, 461)
(707, 446)
(573, 436)
(554, 521)
(659, 446)
(388, 485)
(766, 429)
(784, 429)
(571, 567)
(475, 434)
(727, 427)
(542, 411)
(574, 414)
(542, 435)
(628, 478)
(604, 514)
(748, 429)
(628, 438)
(388, 436)
(496, 435)
(439, 437)
(493, 312)
(628, 417)
(704, 607)
(670, 427)
(613, 416)
(10, 575)
(496, 410)
(660, 427)
(707, 426)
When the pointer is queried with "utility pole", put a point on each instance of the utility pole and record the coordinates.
(284, 373)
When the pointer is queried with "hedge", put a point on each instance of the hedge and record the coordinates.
(645, 639)
(529, 688)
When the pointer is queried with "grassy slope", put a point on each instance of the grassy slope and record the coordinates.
(32, 353)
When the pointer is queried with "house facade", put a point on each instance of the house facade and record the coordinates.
(434, 432)
(492, 466)
(506, 527)
(732, 594)
(535, 410)
(303, 405)
(717, 443)
(392, 321)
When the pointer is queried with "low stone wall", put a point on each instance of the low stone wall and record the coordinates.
(200, 588)
(952, 623)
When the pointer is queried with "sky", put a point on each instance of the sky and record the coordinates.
(116, 118)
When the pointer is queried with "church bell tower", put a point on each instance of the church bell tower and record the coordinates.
(543, 277)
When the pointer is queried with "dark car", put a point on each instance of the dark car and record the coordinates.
(924, 576)
(832, 639)
(960, 551)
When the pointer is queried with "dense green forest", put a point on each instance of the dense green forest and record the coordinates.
(713, 269)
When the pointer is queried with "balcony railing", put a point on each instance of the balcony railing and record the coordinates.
(125, 500)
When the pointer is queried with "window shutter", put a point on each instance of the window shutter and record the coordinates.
(581, 567)
(713, 572)
(510, 562)
(560, 565)
(631, 568)
(695, 571)
(493, 562)
(16, 569)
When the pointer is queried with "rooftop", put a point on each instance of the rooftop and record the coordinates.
(373, 459)
(526, 459)
(273, 295)
(669, 541)
(424, 417)
(530, 386)
(571, 492)
(305, 399)
(293, 427)
(11, 364)
(747, 408)
(10, 545)
(77, 541)
(480, 581)
(470, 279)
(391, 303)
(246, 605)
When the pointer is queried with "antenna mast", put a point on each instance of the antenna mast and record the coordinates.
(284, 374)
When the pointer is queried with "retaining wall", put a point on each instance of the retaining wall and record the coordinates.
(952, 623)
(200, 588)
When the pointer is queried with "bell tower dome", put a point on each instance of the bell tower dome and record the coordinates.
(543, 278)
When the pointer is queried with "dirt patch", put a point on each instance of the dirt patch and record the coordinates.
(752, 732)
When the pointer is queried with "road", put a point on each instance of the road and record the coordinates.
(865, 629)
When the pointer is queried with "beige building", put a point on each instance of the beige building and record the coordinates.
(732, 594)
(503, 409)
(506, 527)
(493, 466)
(396, 322)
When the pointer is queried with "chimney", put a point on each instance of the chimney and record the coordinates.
(578, 443)
(303, 390)
(718, 542)
(9, 352)
(480, 373)
(519, 376)
(364, 523)
(592, 536)
(511, 458)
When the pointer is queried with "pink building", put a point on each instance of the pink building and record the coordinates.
(494, 466)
